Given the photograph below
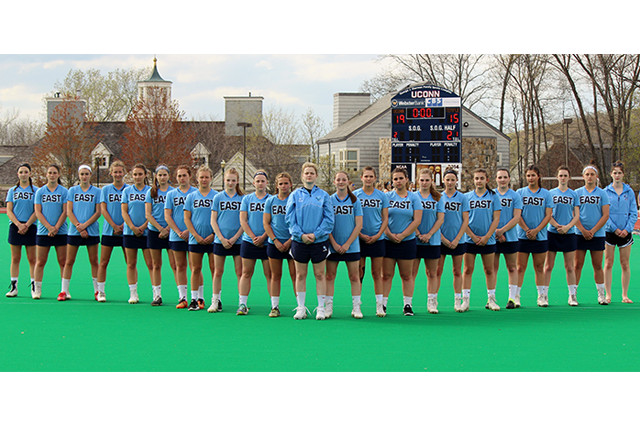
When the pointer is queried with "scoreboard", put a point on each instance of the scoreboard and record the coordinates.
(425, 128)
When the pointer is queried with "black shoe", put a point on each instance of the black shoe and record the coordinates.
(193, 306)
(408, 311)
(511, 304)
(157, 301)
(384, 308)
(219, 305)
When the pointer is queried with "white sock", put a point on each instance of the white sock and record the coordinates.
(194, 294)
(545, 290)
(157, 291)
(38, 284)
(458, 295)
(101, 287)
(407, 300)
(14, 279)
(182, 292)
(540, 289)
(513, 290)
(518, 291)
(95, 284)
(217, 295)
(379, 298)
(242, 300)
(133, 287)
(491, 292)
(573, 289)
(328, 299)
(321, 300)
(600, 287)
(275, 301)
(65, 285)
(356, 300)
(466, 292)
(201, 292)
(385, 300)
(300, 297)
(432, 295)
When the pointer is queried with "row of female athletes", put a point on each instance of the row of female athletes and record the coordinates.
(398, 228)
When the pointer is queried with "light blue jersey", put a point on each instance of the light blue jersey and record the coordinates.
(534, 209)
(430, 209)
(509, 202)
(157, 207)
(84, 206)
(591, 204)
(345, 212)
(134, 200)
(22, 199)
(623, 210)
(254, 207)
(52, 203)
(481, 209)
(200, 207)
(563, 205)
(372, 207)
(310, 212)
(175, 203)
(277, 208)
(401, 212)
(454, 206)
(112, 199)
(228, 209)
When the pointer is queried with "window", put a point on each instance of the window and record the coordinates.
(349, 159)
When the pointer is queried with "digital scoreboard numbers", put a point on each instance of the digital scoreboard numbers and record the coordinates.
(425, 127)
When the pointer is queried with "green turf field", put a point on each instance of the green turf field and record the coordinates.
(83, 335)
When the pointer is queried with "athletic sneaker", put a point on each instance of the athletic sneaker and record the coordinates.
(320, 313)
(214, 305)
(242, 310)
(301, 312)
(573, 300)
(407, 310)
(601, 298)
(328, 309)
(457, 304)
(542, 301)
(95, 295)
(432, 305)
(356, 312)
(193, 306)
(36, 290)
(380, 310)
(491, 304)
(102, 297)
(465, 304)
(157, 301)
(201, 303)
(511, 304)
(182, 304)
(63, 296)
(517, 300)
(275, 312)
(133, 299)
(13, 290)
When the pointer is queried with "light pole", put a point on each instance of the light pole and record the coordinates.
(222, 164)
(566, 122)
(244, 126)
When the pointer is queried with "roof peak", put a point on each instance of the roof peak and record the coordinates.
(155, 75)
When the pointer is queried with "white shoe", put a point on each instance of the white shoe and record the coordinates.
(432, 305)
(517, 300)
(573, 300)
(102, 297)
(36, 291)
(457, 306)
(301, 313)
(356, 312)
(601, 298)
(465, 304)
(133, 299)
(214, 305)
(380, 310)
(320, 314)
(13, 292)
(542, 301)
(328, 309)
(491, 304)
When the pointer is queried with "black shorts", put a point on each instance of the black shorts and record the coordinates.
(219, 250)
(563, 243)
(458, 251)
(346, 257)
(427, 252)
(250, 251)
(533, 246)
(179, 245)
(133, 242)
(28, 239)
(473, 248)
(402, 250)
(274, 253)
(155, 242)
(112, 241)
(316, 252)
(508, 247)
(201, 248)
(594, 244)
(47, 241)
(376, 249)
(77, 240)
(613, 240)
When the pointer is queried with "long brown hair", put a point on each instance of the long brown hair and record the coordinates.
(154, 186)
(28, 166)
(143, 167)
(534, 168)
(233, 171)
(432, 188)
(352, 197)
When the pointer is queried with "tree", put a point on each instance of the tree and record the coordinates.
(19, 131)
(313, 128)
(68, 142)
(109, 97)
(280, 127)
(156, 133)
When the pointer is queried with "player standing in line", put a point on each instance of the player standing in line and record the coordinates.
(310, 219)
(254, 239)
(345, 245)
(279, 242)
(594, 214)
(225, 220)
(405, 214)
(507, 234)
(113, 227)
(561, 231)
(197, 218)
(375, 218)
(179, 234)
(623, 214)
(484, 216)
(456, 220)
(428, 236)
(135, 228)
(51, 210)
(537, 209)
(158, 235)
(22, 228)
(83, 209)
